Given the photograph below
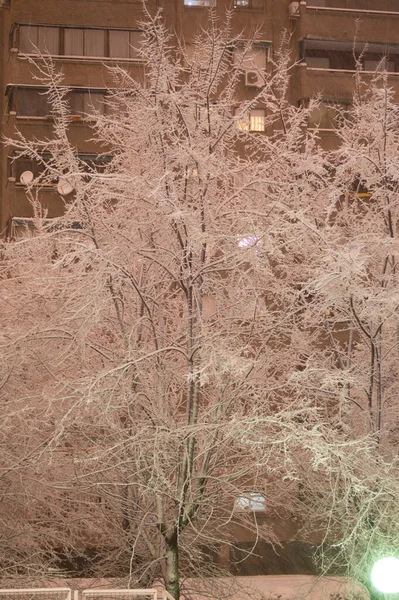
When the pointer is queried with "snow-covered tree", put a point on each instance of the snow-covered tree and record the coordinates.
(203, 326)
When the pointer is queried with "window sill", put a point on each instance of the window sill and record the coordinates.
(78, 58)
(322, 129)
(41, 186)
(33, 118)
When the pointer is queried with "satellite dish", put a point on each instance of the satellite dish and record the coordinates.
(26, 177)
(64, 187)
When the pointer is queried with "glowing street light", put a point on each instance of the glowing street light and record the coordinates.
(385, 575)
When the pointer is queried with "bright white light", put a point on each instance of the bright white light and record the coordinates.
(248, 241)
(385, 575)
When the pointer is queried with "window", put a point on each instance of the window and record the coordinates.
(318, 62)
(124, 44)
(323, 116)
(373, 65)
(89, 163)
(342, 55)
(79, 41)
(84, 42)
(255, 58)
(27, 164)
(199, 2)
(249, 3)
(86, 102)
(34, 39)
(31, 102)
(252, 121)
(251, 501)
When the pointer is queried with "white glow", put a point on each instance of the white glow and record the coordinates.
(385, 575)
(248, 241)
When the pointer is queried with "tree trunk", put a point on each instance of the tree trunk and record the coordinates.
(172, 566)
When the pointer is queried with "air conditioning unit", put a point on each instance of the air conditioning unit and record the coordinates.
(293, 10)
(253, 78)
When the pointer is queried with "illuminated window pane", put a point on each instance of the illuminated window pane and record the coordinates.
(251, 501)
(249, 3)
(257, 120)
(199, 2)
(253, 121)
(243, 124)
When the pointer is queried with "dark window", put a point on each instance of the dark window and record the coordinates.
(84, 42)
(79, 41)
(341, 55)
(27, 164)
(89, 162)
(86, 102)
(124, 44)
(32, 102)
(34, 39)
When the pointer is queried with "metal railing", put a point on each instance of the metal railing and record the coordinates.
(125, 594)
(36, 594)
(88, 594)
(380, 6)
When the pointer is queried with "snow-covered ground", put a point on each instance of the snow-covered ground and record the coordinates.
(276, 587)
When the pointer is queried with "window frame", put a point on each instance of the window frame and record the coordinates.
(257, 46)
(92, 159)
(13, 91)
(16, 37)
(245, 124)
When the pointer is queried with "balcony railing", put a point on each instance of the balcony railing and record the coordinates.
(391, 6)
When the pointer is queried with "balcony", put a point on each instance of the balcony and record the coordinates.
(373, 6)
(332, 84)
(345, 55)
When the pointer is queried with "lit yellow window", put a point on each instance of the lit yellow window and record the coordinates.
(252, 121)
